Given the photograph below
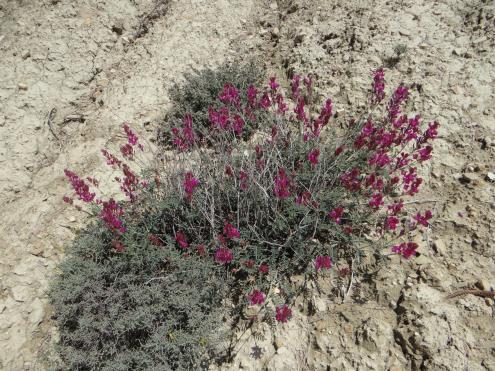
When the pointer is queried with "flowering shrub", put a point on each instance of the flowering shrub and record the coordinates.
(198, 97)
(301, 195)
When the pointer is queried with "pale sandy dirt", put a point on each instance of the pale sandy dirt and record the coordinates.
(82, 58)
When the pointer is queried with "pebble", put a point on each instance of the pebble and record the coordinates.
(37, 312)
(25, 54)
(439, 246)
(274, 6)
(490, 177)
(72, 219)
(22, 86)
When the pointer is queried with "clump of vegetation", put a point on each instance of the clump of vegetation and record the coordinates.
(301, 195)
(199, 91)
(142, 306)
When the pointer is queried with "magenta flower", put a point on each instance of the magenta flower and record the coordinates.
(243, 177)
(304, 198)
(350, 180)
(400, 95)
(264, 268)
(256, 297)
(238, 125)
(396, 207)
(376, 200)
(118, 246)
(187, 130)
(323, 262)
(111, 159)
(220, 118)
(283, 313)
(127, 151)
(230, 231)
(131, 136)
(249, 263)
(190, 182)
(336, 214)
(299, 110)
(313, 156)
(282, 185)
(273, 85)
(251, 95)
(230, 95)
(424, 153)
(265, 101)
(405, 249)
(378, 87)
(180, 237)
(391, 223)
(423, 220)
(379, 159)
(201, 250)
(79, 186)
(224, 255)
(229, 171)
(111, 214)
(308, 81)
(295, 87)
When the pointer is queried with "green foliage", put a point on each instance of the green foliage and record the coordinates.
(145, 308)
(200, 91)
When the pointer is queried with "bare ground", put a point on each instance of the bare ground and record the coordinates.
(72, 71)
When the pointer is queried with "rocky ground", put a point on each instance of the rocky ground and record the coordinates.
(72, 71)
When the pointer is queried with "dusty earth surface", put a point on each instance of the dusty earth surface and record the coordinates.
(72, 71)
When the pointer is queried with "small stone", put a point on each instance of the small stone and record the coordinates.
(118, 27)
(22, 86)
(275, 32)
(486, 142)
(21, 293)
(483, 284)
(490, 177)
(37, 312)
(468, 178)
(278, 343)
(25, 54)
(299, 38)
(274, 6)
(439, 246)
(72, 219)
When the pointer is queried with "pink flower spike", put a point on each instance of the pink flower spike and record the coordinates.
(323, 262)
(264, 268)
(224, 255)
(391, 223)
(283, 313)
(407, 250)
(111, 213)
(423, 220)
(273, 85)
(190, 182)
(251, 95)
(229, 95)
(295, 87)
(376, 200)
(313, 156)
(131, 136)
(378, 87)
(256, 297)
(282, 185)
(180, 237)
(230, 231)
(336, 214)
(79, 186)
